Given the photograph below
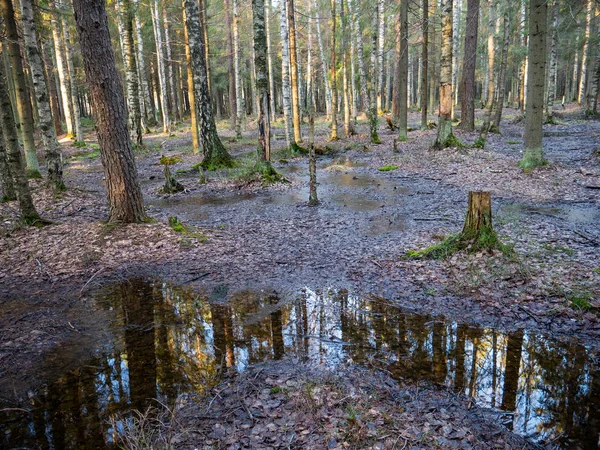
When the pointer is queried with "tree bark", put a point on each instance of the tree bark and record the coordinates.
(46, 124)
(502, 75)
(551, 94)
(585, 54)
(424, 65)
(125, 199)
(455, 31)
(444, 131)
(334, 96)
(491, 48)
(372, 81)
(285, 78)
(401, 85)
(73, 89)
(348, 123)
(323, 61)
(380, 53)
(169, 66)
(291, 14)
(533, 155)
(230, 65)
(467, 103)
(215, 154)
(262, 79)
(6, 179)
(25, 124)
(241, 107)
(190, 82)
(13, 158)
(141, 60)
(272, 110)
(160, 64)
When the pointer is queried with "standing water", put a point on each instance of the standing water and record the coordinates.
(168, 341)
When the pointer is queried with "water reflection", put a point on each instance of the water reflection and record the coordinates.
(170, 341)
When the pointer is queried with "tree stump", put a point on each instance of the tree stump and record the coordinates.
(478, 230)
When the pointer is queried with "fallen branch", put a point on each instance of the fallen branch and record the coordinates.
(593, 240)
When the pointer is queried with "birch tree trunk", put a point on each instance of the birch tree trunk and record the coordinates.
(285, 79)
(14, 159)
(190, 84)
(323, 60)
(334, 96)
(230, 65)
(74, 91)
(170, 78)
(291, 14)
(125, 199)
(354, 90)
(149, 113)
(445, 137)
(467, 102)
(533, 154)
(262, 79)
(124, 9)
(455, 30)
(164, 108)
(61, 72)
(380, 44)
(551, 95)
(53, 86)
(502, 76)
(585, 54)
(46, 125)
(272, 110)
(215, 154)
(424, 64)
(25, 123)
(241, 109)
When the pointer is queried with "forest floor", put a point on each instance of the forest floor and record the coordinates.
(249, 236)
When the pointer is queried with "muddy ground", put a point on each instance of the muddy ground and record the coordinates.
(249, 236)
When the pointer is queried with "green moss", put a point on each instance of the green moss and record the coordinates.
(387, 168)
(453, 141)
(532, 158)
(513, 142)
(276, 389)
(34, 174)
(79, 144)
(375, 139)
(485, 240)
(479, 143)
(580, 301)
(188, 231)
(402, 138)
(6, 199)
(170, 160)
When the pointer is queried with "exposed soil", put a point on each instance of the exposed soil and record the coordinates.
(252, 236)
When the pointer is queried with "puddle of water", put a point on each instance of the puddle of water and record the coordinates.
(571, 213)
(170, 341)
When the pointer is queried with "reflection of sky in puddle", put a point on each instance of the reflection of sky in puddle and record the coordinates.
(583, 214)
(171, 341)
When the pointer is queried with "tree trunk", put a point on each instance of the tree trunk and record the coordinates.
(502, 75)
(124, 9)
(380, 53)
(372, 81)
(585, 53)
(262, 79)
(467, 103)
(53, 86)
(272, 110)
(533, 155)
(285, 78)
(291, 14)
(455, 31)
(323, 61)
(491, 48)
(160, 64)
(595, 89)
(74, 91)
(25, 123)
(190, 82)
(241, 108)
(445, 137)
(479, 215)
(215, 154)
(125, 199)
(230, 64)
(51, 147)
(13, 157)
(424, 64)
(524, 65)
(401, 85)
(334, 96)
(169, 61)
(551, 93)
(148, 106)
(202, 10)
(354, 90)
(6, 179)
(348, 123)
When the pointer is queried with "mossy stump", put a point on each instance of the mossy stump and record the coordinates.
(477, 234)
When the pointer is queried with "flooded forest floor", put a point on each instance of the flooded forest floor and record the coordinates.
(318, 288)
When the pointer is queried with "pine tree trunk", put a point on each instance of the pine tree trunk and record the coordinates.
(125, 199)
(6, 179)
(585, 53)
(190, 83)
(241, 108)
(380, 53)
(444, 134)
(149, 112)
(74, 92)
(62, 72)
(479, 216)
(491, 84)
(202, 9)
(13, 156)
(291, 14)
(533, 155)
(272, 109)
(502, 75)
(467, 104)
(334, 96)
(25, 123)
(215, 154)
(595, 88)
(401, 84)
(348, 123)
(285, 78)
(160, 64)
(551, 94)
(124, 9)
(323, 60)
(46, 125)
(424, 65)
(53, 86)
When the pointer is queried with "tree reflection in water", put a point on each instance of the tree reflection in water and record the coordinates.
(170, 341)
